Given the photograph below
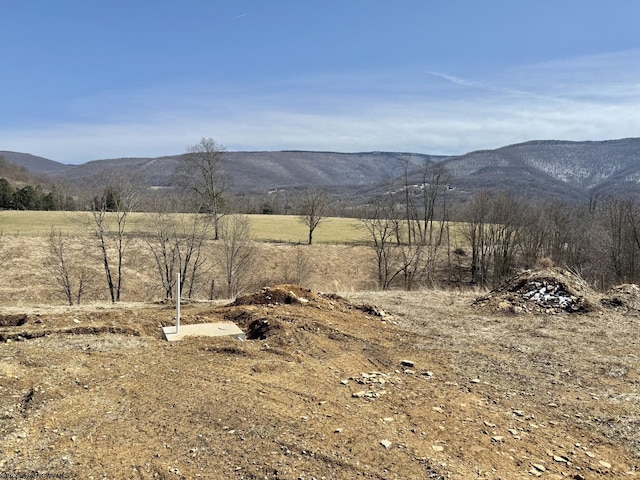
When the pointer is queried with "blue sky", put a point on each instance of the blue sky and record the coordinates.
(91, 79)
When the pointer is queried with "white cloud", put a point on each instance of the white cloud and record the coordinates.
(590, 98)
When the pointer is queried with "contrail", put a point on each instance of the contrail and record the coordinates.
(239, 16)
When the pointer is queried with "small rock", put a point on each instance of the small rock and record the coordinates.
(386, 444)
(387, 419)
(437, 409)
(360, 394)
(407, 363)
(539, 466)
(558, 458)
(497, 438)
(344, 382)
(475, 380)
(437, 448)
(337, 430)
(604, 464)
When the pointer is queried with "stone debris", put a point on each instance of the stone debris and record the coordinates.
(368, 394)
(386, 444)
(539, 466)
(604, 464)
(375, 381)
(549, 291)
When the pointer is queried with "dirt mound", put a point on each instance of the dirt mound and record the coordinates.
(550, 291)
(277, 295)
(626, 296)
(288, 316)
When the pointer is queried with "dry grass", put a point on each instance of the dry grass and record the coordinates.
(584, 368)
(28, 282)
(264, 228)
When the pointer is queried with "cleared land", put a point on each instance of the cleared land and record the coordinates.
(320, 390)
(427, 384)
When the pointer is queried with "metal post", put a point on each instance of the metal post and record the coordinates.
(178, 303)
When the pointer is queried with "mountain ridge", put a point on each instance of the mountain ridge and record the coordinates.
(563, 169)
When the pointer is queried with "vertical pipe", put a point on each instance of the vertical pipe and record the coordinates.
(178, 303)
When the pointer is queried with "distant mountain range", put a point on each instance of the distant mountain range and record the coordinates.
(565, 170)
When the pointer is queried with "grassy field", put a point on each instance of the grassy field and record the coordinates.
(265, 228)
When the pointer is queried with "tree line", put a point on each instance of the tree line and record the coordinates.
(421, 238)
(418, 235)
(29, 197)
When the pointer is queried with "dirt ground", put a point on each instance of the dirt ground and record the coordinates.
(376, 385)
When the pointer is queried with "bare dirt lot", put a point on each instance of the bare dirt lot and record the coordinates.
(423, 385)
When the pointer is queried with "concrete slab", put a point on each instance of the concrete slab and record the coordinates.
(221, 329)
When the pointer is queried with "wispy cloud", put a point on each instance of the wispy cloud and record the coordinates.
(455, 79)
(422, 111)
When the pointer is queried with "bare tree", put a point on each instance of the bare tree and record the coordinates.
(237, 252)
(620, 219)
(380, 221)
(200, 172)
(477, 213)
(111, 211)
(68, 276)
(298, 270)
(177, 246)
(314, 210)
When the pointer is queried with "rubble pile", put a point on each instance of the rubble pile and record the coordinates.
(623, 297)
(549, 291)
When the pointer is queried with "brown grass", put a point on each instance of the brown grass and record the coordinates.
(264, 228)
(28, 282)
